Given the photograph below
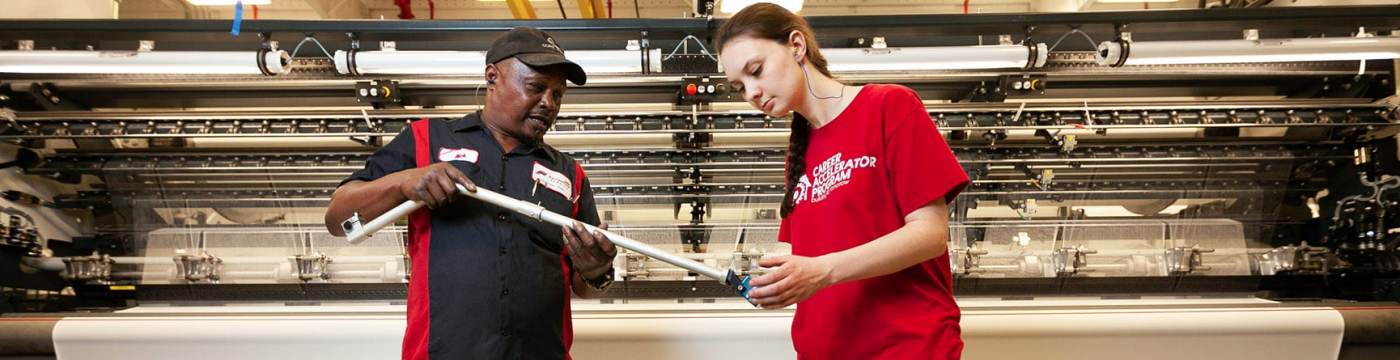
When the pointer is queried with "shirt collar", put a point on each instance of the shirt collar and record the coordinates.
(473, 122)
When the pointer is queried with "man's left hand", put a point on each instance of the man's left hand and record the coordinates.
(592, 253)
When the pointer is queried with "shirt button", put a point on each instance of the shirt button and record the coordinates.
(504, 332)
(505, 291)
(501, 217)
(503, 249)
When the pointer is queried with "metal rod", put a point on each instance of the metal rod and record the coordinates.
(539, 213)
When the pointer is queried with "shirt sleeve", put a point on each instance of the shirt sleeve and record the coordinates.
(784, 234)
(920, 166)
(394, 157)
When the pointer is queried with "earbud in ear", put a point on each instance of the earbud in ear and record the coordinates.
(491, 81)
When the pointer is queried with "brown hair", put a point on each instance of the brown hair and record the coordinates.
(772, 22)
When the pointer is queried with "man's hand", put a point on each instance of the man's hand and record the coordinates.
(434, 184)
(592, 253)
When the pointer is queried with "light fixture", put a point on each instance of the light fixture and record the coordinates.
(1119, 53)
(733, 6)
(474, 62)
(936, 58)
(227, 2)
(266, 62)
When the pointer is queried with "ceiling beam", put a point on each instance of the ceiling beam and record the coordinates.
(592, 9)
(521, 9)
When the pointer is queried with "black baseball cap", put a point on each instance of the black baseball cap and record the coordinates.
(535, 48)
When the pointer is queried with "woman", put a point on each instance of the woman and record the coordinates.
(868, 181)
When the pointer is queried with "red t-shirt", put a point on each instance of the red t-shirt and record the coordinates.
(881, 159)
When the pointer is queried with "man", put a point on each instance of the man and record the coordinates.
(488, 283)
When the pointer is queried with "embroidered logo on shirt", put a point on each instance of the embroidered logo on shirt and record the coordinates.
(830, 175)
(450, 154)
(552, 180)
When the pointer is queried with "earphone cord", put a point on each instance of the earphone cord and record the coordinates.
(808, 78)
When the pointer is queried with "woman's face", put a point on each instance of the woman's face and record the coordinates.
(765, 72)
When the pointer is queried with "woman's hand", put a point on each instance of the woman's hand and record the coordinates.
(795, 279)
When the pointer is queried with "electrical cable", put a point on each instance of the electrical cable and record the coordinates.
(703, 50)
(313, 40)
(1092, 44)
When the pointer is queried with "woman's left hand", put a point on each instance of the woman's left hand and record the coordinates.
(795, 279)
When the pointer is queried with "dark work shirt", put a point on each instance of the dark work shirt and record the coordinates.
(487, 283)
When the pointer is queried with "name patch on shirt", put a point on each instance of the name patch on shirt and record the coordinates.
(450, 154)
(552, 180)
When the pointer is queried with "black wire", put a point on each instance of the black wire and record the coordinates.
(561, 8)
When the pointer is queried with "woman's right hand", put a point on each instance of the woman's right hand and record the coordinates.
(435, 185)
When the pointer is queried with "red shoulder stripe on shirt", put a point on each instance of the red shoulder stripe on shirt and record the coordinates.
(415, 339)
(578, 186)
(568, 309)
(568, 312)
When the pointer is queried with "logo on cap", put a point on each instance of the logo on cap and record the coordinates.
(550, 44)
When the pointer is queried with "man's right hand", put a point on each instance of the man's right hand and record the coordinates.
(435, 184)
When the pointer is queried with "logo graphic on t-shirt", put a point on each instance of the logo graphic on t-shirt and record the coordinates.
(464, 154)
(552, 180)
(830, 175)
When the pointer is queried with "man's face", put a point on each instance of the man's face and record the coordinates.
(526, 97)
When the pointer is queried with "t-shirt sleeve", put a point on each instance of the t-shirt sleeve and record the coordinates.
(920, 166)
(784, 234)
(394, 157)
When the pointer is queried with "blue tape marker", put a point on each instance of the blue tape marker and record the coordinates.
(237, 18)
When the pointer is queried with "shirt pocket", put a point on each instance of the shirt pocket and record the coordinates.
(552, 201)
(549, 236)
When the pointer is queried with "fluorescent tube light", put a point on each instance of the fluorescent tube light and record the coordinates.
(474, 62)
(733, 6)
(1115, 53)
(144, 62)
(936, 58)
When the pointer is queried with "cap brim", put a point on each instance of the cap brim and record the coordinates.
(575, 72)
